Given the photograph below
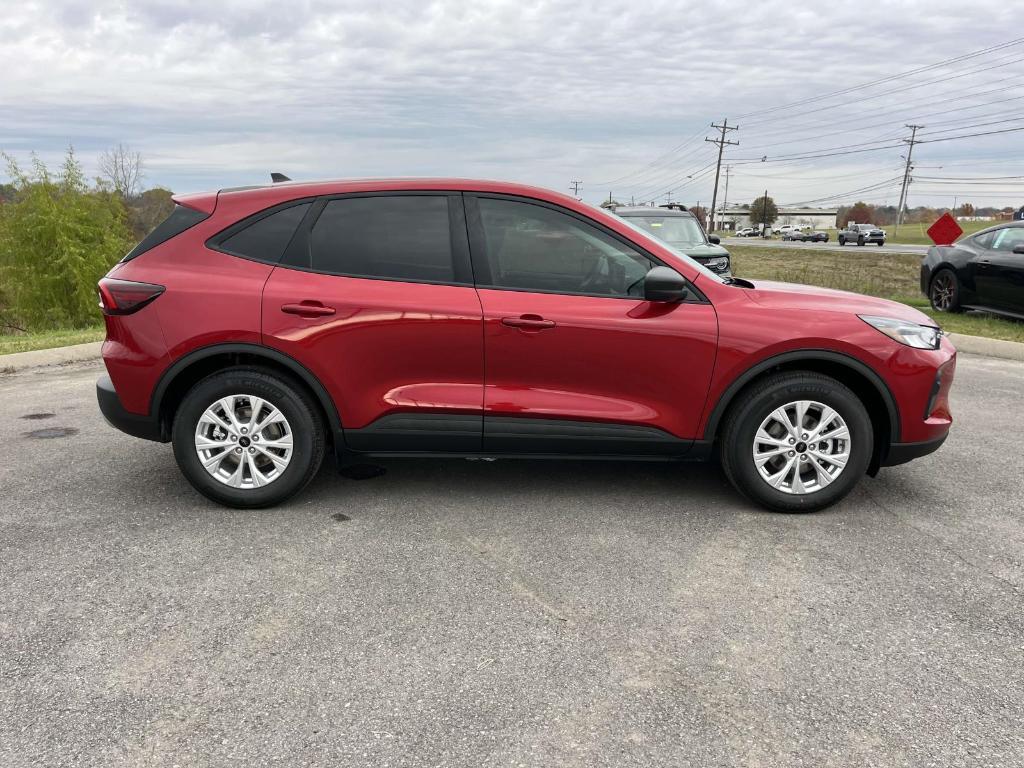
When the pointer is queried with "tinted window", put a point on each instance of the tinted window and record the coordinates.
(984, 241)
(1008, 239)
(533, 248)
(393, 238)
(181, 218)
(267, 237)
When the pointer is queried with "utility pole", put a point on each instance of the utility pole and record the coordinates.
(721, 142)
(668, 197)
(725, 197)
(764, 215)
(575, 187)
(906, 174)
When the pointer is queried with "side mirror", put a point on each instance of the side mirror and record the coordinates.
(664, 284)
(1019, 249)
(714, 239)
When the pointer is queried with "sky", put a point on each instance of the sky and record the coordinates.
(619, 96)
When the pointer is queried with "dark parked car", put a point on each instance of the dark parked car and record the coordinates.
(682, 231)
(862, 234)
(981, 271)
(816, 237)
(263, 330)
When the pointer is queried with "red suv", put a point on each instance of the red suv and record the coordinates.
(258, 328)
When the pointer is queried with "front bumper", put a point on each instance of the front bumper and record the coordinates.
(136, 425)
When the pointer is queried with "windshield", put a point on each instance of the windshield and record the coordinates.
(677, 230)
(632, 223)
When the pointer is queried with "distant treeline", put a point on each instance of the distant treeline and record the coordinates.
(59, 234)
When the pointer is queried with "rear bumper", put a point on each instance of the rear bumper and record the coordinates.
(901, 453)
(136, 425)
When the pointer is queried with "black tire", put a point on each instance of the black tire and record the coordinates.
(761, 399)
(303, 415)
(860, 241)
(880, 243)
(944, 292)
(842, 240)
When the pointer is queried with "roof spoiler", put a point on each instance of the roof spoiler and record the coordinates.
(277, 178)
(204, 202)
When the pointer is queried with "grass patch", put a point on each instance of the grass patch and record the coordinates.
(886, 275)
(978, 324)
(27, 342)
(889, 275)
(915, 234)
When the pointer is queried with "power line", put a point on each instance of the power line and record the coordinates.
(890, 78)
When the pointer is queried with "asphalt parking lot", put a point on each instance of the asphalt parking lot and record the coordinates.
(506, 613)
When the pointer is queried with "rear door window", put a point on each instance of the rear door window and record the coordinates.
(406, 238)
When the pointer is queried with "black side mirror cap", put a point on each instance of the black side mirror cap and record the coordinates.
(1019, 249)
(714, 239)
(664, 284)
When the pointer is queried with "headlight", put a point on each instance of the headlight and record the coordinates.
(906, 332)
(719, 262)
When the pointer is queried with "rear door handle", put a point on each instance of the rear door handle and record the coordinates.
(308, 308)
(528, 322)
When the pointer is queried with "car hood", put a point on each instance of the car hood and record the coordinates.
(701, 251)
(809, 297)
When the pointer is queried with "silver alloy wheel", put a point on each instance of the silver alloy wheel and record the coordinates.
(801, 447)
(244, 441)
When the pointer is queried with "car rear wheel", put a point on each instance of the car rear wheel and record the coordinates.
(944, 292)
(248, 438)
(860, 241)
(796, 442)
(842, 240)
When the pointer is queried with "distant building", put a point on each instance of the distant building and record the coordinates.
(735, 217)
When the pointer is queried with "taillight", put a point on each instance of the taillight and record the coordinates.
(122, 297)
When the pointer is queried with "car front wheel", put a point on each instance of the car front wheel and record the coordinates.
(842, 240)
(796, 442)
(248, 438)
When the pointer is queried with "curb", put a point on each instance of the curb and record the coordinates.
(979, 345)
(19, 361)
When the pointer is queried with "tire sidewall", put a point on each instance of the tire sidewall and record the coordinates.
(305, 443)
(749, 419)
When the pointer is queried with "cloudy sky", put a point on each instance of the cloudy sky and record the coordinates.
(617, 95)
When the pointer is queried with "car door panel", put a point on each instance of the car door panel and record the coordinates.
(574, 370)
(605, 360)
(1000, 272)
(402, 360)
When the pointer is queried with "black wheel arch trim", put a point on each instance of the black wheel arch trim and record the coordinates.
(825, 355)
(256, 350)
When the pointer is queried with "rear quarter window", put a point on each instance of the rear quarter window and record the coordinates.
(181, 218)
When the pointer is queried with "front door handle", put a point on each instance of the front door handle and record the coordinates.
(528, 322)
(308, 308)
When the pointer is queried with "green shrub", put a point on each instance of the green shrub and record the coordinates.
(58, 237)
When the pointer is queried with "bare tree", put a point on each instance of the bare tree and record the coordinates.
(122, 167)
